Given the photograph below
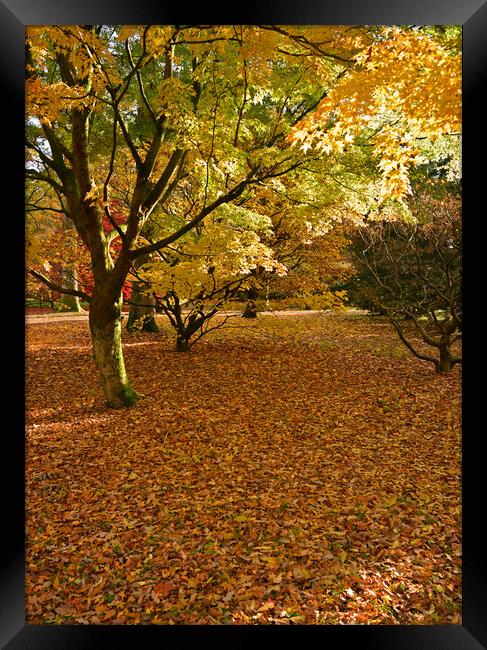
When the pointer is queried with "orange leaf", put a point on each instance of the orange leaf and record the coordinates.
(163, 588)
(268, 605)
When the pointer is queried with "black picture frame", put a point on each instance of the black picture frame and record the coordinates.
(15, 15)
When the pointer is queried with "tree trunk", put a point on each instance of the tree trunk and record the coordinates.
(70, 303)
(106, 334)
(250, 310)
(445, 363)
(142, 311)
(182, 344)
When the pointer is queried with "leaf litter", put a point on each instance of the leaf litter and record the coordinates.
(289, 470)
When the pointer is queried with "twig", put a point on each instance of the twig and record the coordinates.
(165, 438)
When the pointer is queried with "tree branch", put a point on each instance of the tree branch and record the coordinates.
(57, 287)
(226, 198)
(409, 345)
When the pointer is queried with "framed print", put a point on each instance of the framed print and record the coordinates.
(178, 135)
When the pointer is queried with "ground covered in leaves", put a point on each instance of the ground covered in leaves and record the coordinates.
(291, 469)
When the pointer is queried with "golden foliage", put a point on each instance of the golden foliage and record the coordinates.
(404, 86)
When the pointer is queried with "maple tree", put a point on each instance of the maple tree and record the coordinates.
(315, 263)
(207, 268)
(92, 81)
(172, 123)
(413, 271)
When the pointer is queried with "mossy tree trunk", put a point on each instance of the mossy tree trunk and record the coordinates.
(105, 318)
(105, 315)
(106, 335)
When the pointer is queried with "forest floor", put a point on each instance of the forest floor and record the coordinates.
(289, 469)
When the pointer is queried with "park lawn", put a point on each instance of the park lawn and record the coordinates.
(291, 469)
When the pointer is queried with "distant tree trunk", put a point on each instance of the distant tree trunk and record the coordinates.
(142, 310)
(250, 310)
(70, 303)
(142, 305)
(185, 330)
(446, 359)
(182, 343)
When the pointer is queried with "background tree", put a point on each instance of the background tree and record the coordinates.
(54, 248)
(413, 271)
(315, 271)
(207, 267)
